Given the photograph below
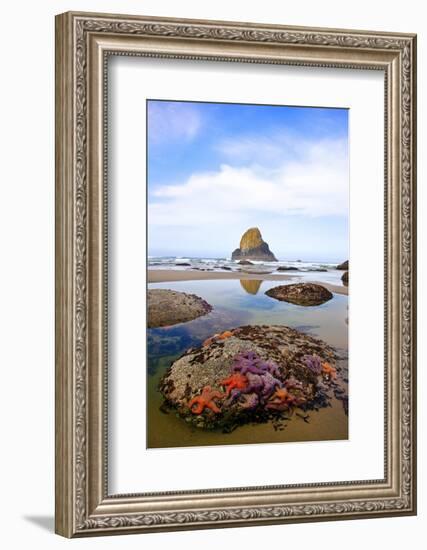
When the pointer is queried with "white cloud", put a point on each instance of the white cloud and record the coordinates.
(170, 122)
(314, 183)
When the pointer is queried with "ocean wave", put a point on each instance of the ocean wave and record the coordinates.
(172, 262)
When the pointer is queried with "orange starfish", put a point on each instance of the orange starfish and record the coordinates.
(208, 341)
(205, 401)
(236, 380)
(223, 336)
(329, 370)
(281, 399)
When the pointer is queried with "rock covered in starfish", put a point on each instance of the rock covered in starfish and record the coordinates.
(254, 371)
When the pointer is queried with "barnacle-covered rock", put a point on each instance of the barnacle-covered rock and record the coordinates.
(169, 307)
(301, 294)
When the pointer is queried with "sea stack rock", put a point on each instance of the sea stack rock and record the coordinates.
(252, 247)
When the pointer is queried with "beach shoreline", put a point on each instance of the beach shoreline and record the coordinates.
(172, 276)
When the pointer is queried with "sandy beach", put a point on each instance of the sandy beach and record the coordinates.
(171, 275)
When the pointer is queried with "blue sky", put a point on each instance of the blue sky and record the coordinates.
(215, 170)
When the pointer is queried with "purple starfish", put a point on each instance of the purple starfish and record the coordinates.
(293, 384)
(250, 362)
(313, 363)
(270, 385)
(250, 401)
(269, 366)
(247, 362)
(263, 385)
(255, 383)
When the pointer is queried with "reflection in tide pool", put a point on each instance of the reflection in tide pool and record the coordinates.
(251, 286)
(236, 303)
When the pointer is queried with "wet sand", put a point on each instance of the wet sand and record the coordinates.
(172, 275)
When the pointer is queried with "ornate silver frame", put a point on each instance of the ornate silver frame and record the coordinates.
(83, 42)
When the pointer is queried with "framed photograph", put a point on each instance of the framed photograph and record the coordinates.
(235, 274)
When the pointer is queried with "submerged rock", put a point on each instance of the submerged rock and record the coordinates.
(343, 266)
(249, 374)
(169, 307)
(302, 294)
(344, 278)
(252, 247)
(287, 268)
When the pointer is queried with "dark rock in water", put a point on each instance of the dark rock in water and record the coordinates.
(249, 374)
(344, 278)
(225, 267)
(245, 262)
(302, 294)
(286, 268)
(185, 264)
(168, 307)
(252, 247)
(343, 266)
